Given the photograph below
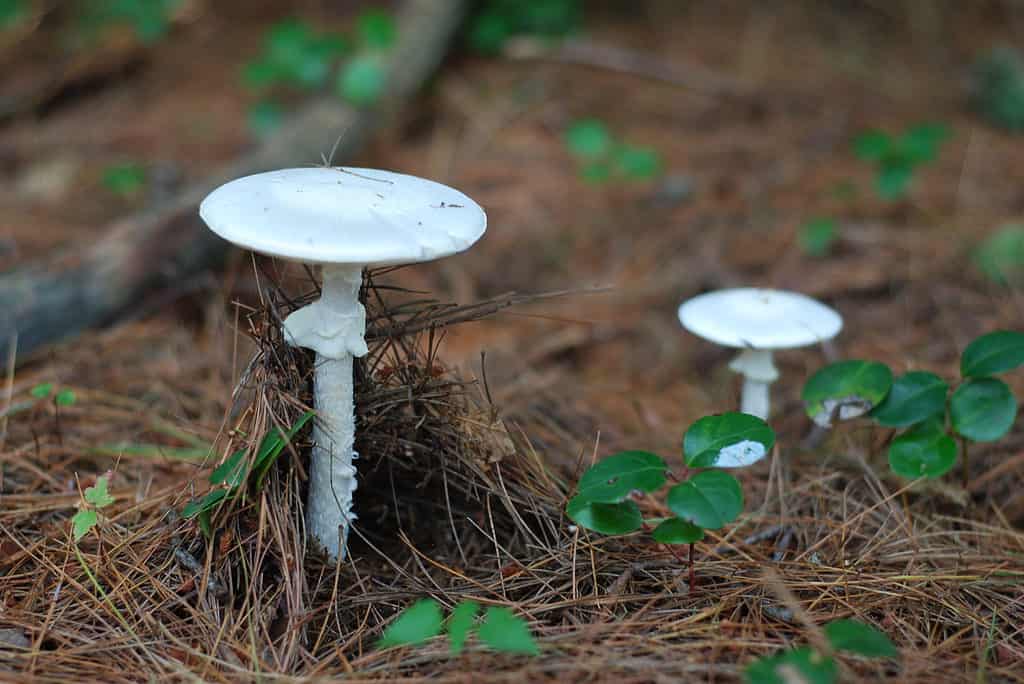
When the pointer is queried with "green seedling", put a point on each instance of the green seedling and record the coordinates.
(1000, 257)
(805, 664)
(998, 88)
(608, 492)
(818, 236)
(501, 629)
(499, 20)
(149, 19)
(897, 157)
(230, 478)
(125, 180)
(928, 413)
(362, 79)
(95, 498)
(294, 55)
(602, 158)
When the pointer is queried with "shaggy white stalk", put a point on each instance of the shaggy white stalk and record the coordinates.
(333, 326)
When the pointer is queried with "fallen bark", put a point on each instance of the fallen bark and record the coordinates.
(45, 302)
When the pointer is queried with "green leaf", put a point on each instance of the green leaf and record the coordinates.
(596, 173)
(914, 396)
(846, 390)
(41, 391)
(361, 81)
(82, 522)
(614, 478)
(205, 504)
(376, 29)
(205, 524)
(925, 450)
(1000, 257)
(801, 665)
(125, 180)
(65, 397)
(892, 180)
(983, 409)
(588, 139)
(605, 518)
(818, 236)
(856, 637)
(504, 631)
(920, 143)
(273, 445)
(97, 495)
(286, 41)
(637, 163)
(265, 117)
(232, 471)
(872, 145)
(728, 440)
(460, 623)
(11, 13)
(260, 74)
(489, 31)
(676, 531)
(996, 352)
(417, 623)
(709, 499)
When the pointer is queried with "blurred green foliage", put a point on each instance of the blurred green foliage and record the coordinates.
(150, 19)
(12, 12)
(500, 20)
(125, 179)
(1000, 257)
(818, 236)
(897, 157)
(603, 158)
(998, 88)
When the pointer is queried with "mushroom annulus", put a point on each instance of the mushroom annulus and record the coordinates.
(759, 322)
(342, 219)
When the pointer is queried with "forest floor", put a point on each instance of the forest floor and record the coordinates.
(600, 369)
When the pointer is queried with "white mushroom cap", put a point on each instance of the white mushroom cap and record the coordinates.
(339, 215)
(753, 318)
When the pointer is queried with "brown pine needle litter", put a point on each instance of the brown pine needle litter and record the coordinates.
(456, 500)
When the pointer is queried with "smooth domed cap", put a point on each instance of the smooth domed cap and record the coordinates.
(759, 319)
(344, 216)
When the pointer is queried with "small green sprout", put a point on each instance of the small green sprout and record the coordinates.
(125, 180)
(818, 236)
(998, 88)
(805, 664)
(897, 157)
(501, 629)
(499, 20)
(602, 157)
(96, 497)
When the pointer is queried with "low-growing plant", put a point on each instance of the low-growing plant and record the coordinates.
(94, 500)
(149, 19)
(608, 493)
(501, 629)
(806, 664)
(897, 157)
(1000, 256)
(818, 236)
(231, 477)
(499, 20)
(998, 88)
(601, 157)
(125, 179)
(927, 412)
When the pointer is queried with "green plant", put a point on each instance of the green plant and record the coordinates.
(818, 236)
(95, 498)
(897, 157)
(295, 55)
(12, 12)
(361, 81)
(601, 157)
(230, 478)
(125, 179)
(607, 494)
(499, 20)
(806, 664)
(998, 88)
(149, 19)
(500, 629)
(927, 412)
(1000, 257)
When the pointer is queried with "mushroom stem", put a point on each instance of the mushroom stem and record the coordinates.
(333, 326)
(759, 372)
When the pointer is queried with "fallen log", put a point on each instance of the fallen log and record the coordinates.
(48, 301)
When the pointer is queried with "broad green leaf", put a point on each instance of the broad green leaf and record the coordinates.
(362, 80)
(588, 139)
(460, 623)
(801, 665)
(727, 440)
(65, 397)
(913, 397)
(504, 631)
(983, 409)
(709, 499)
(1000, 257)
(892, 180)
(614, 478)
(207, 503)
(417, 623)
(41, 391)
(82, 522)
(605, 518)
(676, 531)
(817, 236)
(232, 471)
(856, 637)
(637, 163)
(97, 495)
(996, 352)
(845, 390)
(376, 29)
(925, 450)
(273, 444)
(872, 145)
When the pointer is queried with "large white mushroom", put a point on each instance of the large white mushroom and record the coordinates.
(344, 220)
(759, 322)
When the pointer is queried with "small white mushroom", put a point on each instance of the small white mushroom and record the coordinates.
(344, 220)
(759, 322)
